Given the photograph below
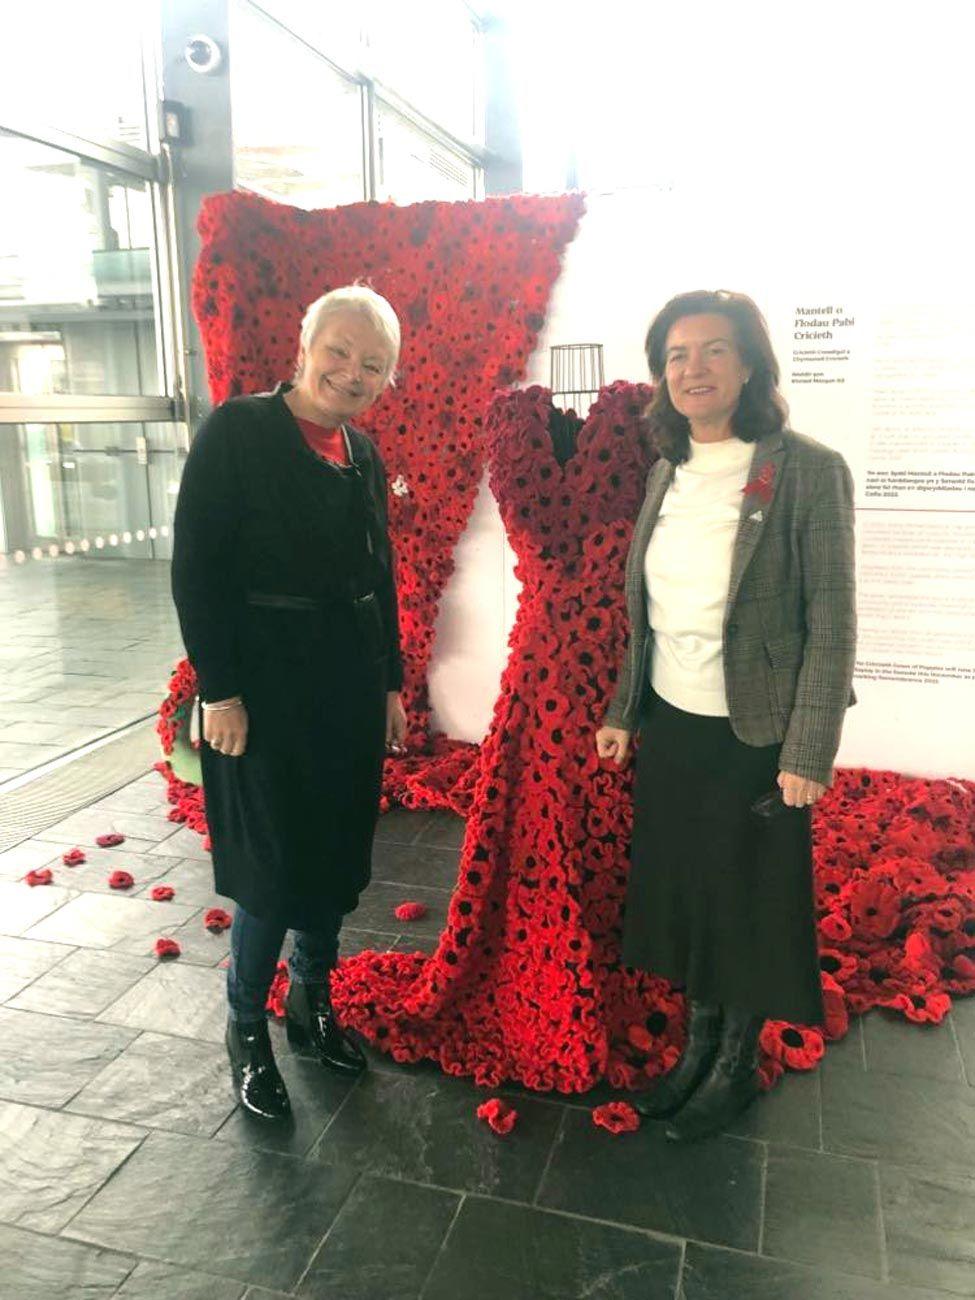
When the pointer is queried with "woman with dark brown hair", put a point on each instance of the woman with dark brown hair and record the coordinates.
(740, 596)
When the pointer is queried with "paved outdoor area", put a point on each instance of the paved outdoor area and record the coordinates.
(127, 1170)
(85, 648)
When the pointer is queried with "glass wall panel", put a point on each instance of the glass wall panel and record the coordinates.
(430, 55)
(77, 66)
(412, 166)
(77, 248)
(100, 490)
(297, 122)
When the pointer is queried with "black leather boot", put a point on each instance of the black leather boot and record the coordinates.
(259, 1087)
(731, 1085)
(672, 1090)
(311, 1025)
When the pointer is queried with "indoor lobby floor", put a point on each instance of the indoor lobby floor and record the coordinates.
(86, 647)
(127, 1170)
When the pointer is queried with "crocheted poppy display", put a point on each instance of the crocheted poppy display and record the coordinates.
(162, 893)
(524, 984)
(44, 876)
(73, 858)
(121, 880)
(498, 1115)
(110, 841)
(166, 949)
(616, 1117)
(217, 920)
(470, 283)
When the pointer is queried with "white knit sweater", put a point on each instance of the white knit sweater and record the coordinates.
(687, 570)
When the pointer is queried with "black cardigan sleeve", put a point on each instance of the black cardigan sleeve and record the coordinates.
(386, 590)
(205, 573)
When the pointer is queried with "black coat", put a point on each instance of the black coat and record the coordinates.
(283, 580)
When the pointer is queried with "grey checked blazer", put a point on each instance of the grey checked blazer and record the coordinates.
(789, 631)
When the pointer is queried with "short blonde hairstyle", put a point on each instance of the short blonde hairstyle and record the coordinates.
(358, 298)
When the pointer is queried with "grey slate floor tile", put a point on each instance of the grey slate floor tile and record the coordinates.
(497, 1251)
(165, 1082)
(249, 1215)
(47, 1059)
(709, 1191)
(48, 1268)
(51, 1163)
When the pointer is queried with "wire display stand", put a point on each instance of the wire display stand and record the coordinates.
(576, 376)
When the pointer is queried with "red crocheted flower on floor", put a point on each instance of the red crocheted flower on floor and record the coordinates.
(121, 880)
(216, 920)
(167, 949)
(616, 1117)
(498, 1114)
(42, 877)
(795, 1046)
(278, 991)
(162, 893)
(410, 911)
(110, 841)
(922, 1008)
(73, 858)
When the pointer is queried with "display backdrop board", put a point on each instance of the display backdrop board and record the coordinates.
(874, 329)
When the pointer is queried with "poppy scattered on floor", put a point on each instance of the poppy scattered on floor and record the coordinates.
(73, 858)
(42, 877)
(166, 949)
(217, 920)
(498, 1115)
(121, 880)
(410, 911)
(110, 841)
(162, 893)
(616, 1117)
(796, 1046)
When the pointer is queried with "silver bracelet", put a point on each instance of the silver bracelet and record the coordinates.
(223, 706)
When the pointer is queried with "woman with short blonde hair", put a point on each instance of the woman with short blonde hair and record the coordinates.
(283, 580)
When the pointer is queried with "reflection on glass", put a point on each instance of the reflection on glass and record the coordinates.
(78, 66)
(297, 122)
(77, 312)
(432, 64)
(97, 489)
(412, 166)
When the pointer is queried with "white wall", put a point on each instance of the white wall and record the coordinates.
(908, 293)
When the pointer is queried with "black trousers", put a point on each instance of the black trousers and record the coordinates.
(718, 900)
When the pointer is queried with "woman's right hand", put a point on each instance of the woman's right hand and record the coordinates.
(225, 729)
(613, 743)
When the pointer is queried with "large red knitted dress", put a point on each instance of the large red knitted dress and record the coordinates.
(524, 983)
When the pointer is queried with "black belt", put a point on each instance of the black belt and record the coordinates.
(272, 600)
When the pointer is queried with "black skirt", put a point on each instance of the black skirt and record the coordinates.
(719, 901)
(292, 822)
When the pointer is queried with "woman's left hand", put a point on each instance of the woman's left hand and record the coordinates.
(798, 791)
(395, 722)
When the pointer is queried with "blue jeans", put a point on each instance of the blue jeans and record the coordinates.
(255, 946)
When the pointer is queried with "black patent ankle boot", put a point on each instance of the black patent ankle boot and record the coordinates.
(259, 1087)
(670, 1092)
(312, 1027)
(729, 1088)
